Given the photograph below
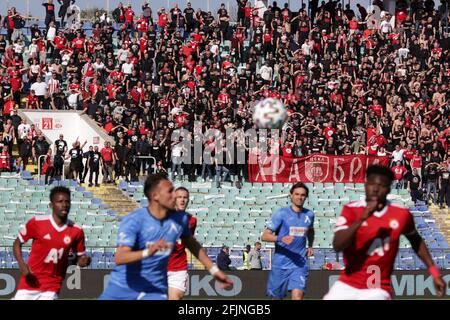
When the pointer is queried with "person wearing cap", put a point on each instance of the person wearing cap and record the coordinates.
(223, 260)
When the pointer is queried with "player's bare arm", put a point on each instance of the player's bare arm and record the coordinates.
(126, 255)
(197, 250)
(420, 248)
(343, 238)
(24, 268)
(269, 236)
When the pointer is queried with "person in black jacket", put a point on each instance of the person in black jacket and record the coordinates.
(142, 149)
(76, 160)
(63, 9)
(94, 160)
(223, 259)
(119, 13)
(130, 162)
(120, 150)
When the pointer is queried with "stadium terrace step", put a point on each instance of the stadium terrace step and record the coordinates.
(114, 198)
(442, 220)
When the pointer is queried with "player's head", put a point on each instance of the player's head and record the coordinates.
(378, 182)
(181, 198)
(257, 245)
(299, 193)
(60, 202)
(159, 190)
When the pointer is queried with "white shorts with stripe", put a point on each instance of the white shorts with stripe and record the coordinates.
(178, 280)
(343, 291)
(35, 295)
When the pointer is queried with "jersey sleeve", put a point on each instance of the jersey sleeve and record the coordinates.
(275, 223)
(193, 225)
(311, 217)
(79, 246)
(186, 232)
(128, 230)
(409, 227)
(28, 232)
(345, 220)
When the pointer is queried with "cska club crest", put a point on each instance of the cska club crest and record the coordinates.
(67, 239)
(316, 168)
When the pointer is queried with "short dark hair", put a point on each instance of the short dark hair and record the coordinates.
(182, 189)
(380, 170)
(299, 185)
(152, 182)
(57, 190)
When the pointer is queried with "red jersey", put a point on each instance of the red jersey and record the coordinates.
(416, 162)
(399, 172)
(59, 42)
(107, 154)
(162, 20)
(16, 83)
(78, 43)
(329, 132)
(178, 257)
(50, 251)
(377, 109)
(375, 244)
(129, 14)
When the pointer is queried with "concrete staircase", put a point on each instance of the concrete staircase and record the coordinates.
(442, 217)
(196, 264)
(114, 198)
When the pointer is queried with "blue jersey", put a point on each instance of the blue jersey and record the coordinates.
(138, 230)
(286, 222)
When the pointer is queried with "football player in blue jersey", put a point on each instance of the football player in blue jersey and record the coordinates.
(292, 230)
(145, 240)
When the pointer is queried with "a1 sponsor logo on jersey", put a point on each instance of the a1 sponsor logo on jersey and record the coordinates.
(164, 252)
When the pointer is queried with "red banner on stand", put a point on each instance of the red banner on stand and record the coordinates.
(313, 168)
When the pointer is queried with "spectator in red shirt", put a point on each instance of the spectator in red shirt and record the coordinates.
(108, 157)
(399, 173)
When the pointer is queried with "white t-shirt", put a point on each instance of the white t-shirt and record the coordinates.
(214, 48)
(98, 66)
(385, 26)
(40, 89)
(266, 73)
(51, 33)
(122, 54)
(176, 150)
(398, 155)
(73, 100)
(127, 68)
(23, 129)
(306, 49)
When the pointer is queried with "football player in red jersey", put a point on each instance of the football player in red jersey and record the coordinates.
(177, 267)
(53, 238)
(368, 233)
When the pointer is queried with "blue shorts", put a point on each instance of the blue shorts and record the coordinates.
(115, 292)
(282, 280)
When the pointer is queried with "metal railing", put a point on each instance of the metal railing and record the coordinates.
(148, 157)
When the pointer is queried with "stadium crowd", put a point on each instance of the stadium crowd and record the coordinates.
(354, 82)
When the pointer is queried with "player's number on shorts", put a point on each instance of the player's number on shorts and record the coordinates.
(379, 246)
(54, 255)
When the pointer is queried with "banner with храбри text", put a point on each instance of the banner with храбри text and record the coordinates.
(313, 168)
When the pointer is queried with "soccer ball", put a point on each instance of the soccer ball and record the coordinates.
(269, 113)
